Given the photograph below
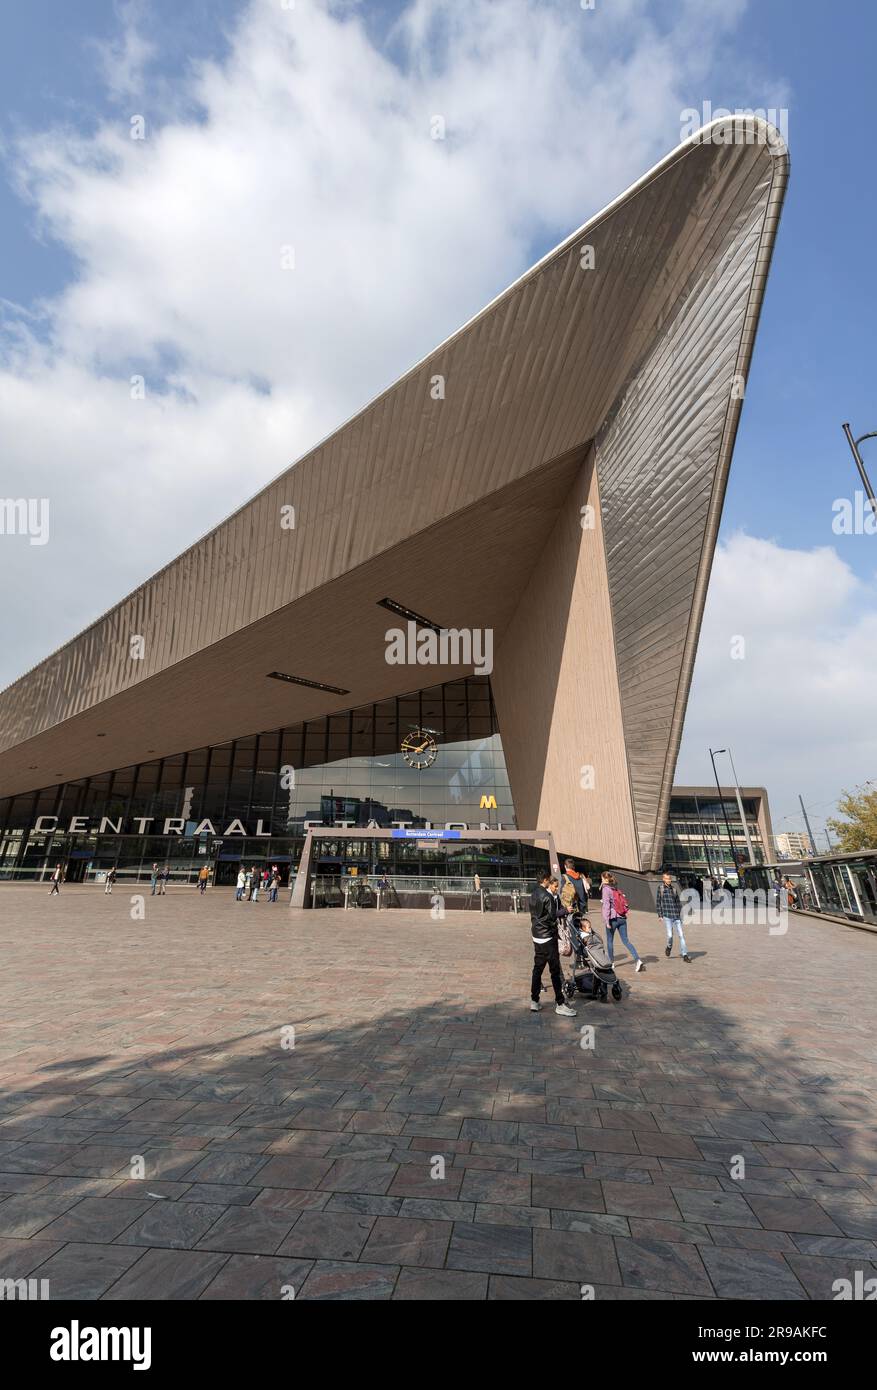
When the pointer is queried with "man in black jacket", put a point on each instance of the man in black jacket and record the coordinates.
(543, 929)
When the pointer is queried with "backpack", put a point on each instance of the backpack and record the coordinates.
(568, 896)
(620, 903)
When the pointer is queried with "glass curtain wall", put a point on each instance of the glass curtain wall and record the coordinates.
(430, 759)
(696, 843)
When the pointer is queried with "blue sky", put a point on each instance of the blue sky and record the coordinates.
(814, 361)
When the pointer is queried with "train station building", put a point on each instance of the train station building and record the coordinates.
(476, 605)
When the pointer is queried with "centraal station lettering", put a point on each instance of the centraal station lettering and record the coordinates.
(176, 825)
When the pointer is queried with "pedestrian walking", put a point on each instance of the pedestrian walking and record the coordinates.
(57, 880)
(275, 884)
(669, 906)
(202, 879)
(109, 880)
(163, 880)
(256, 881)
(241, 885)
(543, 930)
(153, 878)
(615, 910)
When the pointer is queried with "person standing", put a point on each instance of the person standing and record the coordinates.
(543, 930)
(615, 917)
(669, 906)
(110, 880)
(153, 878)
(275, 884)
(163, 880)
(202, 878)
(383, 890)
(241, 885)
(580, 886)
(256, 880)
(57, 880)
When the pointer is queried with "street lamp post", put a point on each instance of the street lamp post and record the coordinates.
(713, 755)
(854, 446)
(810, 834)
(741, 810)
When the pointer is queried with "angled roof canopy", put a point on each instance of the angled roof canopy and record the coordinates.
(564, 490)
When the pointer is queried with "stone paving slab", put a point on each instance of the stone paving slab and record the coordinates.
(235, 1101)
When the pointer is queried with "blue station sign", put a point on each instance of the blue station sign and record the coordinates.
(427, 834)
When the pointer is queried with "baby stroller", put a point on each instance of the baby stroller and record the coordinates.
(592, 973)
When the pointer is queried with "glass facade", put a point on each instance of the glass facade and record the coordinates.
(696, 843)
(432, 759)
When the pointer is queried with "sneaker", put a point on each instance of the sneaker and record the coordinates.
(565, 1010)
(534, 1006)
(687, 959)
(667, 950)
(639, 966)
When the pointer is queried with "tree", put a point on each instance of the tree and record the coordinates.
(859, 830)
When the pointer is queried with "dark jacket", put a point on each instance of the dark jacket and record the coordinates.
(543, 914)
(578, 884)
(668, 902)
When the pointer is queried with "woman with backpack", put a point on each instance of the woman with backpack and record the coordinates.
(615, 910)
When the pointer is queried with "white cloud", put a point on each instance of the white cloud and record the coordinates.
(798, 709)
(308, 135)
(124, 59)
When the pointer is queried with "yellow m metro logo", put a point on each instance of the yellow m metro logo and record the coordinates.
(488, 803)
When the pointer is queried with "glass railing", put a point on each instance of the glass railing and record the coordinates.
(456, 894)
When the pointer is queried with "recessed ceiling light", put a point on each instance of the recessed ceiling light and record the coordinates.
(312, 685)
(409, 613)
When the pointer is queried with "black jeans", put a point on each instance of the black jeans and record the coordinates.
(549, 955)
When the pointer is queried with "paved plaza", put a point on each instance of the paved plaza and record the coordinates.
(426, 1136)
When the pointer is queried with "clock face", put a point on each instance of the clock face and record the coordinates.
(419, 749)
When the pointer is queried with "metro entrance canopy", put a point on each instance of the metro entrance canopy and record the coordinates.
(300, 896)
